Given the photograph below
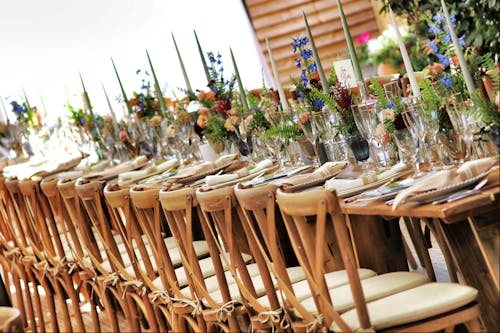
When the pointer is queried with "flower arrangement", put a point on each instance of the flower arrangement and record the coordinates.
(27, 117)
(219, 116)
(143, 103)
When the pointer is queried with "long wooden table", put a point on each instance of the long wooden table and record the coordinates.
(471, 230)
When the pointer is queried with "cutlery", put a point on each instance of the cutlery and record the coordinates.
(462, 194)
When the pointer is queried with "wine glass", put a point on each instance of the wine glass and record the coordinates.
(465, 123)
(407, 142)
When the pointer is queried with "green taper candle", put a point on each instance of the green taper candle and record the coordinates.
(202, 56)
(240, 85)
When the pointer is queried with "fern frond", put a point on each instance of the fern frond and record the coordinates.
(379, 94)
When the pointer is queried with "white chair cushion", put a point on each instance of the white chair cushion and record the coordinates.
(373, 288)
(412, 305)
(333, 279)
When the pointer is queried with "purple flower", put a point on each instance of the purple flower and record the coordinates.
(318, 104)
(303, 78)
(443, 59)
(446, 81)
(453, 20)
(306, 53)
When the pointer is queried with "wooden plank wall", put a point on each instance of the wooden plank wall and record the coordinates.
(281, 21)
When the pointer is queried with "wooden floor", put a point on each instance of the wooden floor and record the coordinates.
(435, 253)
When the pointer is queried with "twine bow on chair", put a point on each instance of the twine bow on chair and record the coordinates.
(226, 310)
(137, 284)
(314, 325)
(274, 317)
(161, 295)
(112, 279)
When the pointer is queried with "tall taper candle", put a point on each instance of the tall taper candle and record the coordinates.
(202, 56)
(458, 51)
(4, 110)
(322, 77)
(406, 59)
(281, 92)
(240, 84)
(87, 99)
(186, 79)
(350, 45)
(111, 111)
(125, 99)
(159, 94)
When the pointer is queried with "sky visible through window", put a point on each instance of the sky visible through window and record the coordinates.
(44, 45)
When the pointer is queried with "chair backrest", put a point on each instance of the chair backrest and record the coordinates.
(262, 228)
(221, 219)
(307, 216)
(40, 216)
(152, 223)
(10, 320)
(11, 228)
(119, 202)
(78, 218)
(91, 195)
(61, 216)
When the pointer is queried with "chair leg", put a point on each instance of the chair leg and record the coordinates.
(409, 255)
(414, 229)
(448, 258)
(474, 325)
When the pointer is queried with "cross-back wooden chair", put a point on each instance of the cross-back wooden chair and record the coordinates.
(264, 227)
(166, 291)
(33, 259)
(141, 248)
(14, 246)
(117, 269)
(221, 222)
(78, 222)
(11, 320)
(208, 280)
(415, 307)
(55, 249)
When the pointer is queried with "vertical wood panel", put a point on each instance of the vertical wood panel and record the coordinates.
(280, 21)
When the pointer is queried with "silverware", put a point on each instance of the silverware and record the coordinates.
(462, 194)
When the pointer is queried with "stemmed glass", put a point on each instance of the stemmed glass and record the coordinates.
(312, 132)
(462, 118)
(407, 142)
(367, 121)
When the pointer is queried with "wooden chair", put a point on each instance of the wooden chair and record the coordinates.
(417, 307)
(239, 292)
(59, 259)
(168, 289)
(259, 208)
(11, 320)
(31, 259)
(13, 246)
(116, 270)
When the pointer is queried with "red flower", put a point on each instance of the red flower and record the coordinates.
(363, 38)
(222, 106)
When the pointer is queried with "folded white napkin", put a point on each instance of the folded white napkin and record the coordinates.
(261, 166)
(329, 168)
(124, 176)
(446, 178)
(212, 180)
(347, 184)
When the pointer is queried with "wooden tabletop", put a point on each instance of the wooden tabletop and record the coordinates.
(482, 203)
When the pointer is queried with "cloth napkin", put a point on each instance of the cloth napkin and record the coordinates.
(327, 170)
(135, 163)
(130, 175)
(191, 171)
(347, 184)
(212, 180)
(444, 178)
(264, 164)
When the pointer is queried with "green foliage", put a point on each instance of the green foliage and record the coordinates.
(379, 94)
(486, 110)
(478, 19)
(430, 98)
(285, 131)
(215, 129)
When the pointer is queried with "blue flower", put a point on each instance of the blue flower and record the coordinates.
(312, 67)
(438, 17)
(82, 121)
(306, 53)
(443, 59)
(433, 46)
(211, 57)
(461, 41)
(303, 78)
(298, 63)
(447, 38)
(434, 28)
(446, 81)
(391, 104)
(453, 20)
(318, 104)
